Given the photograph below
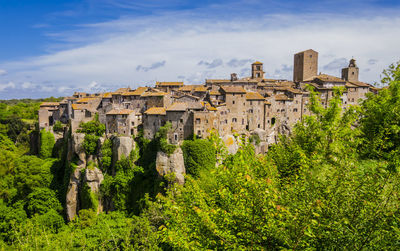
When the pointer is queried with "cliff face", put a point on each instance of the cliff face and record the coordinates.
(166, 164)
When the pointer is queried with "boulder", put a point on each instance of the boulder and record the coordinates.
(75, 147)
(173, 163)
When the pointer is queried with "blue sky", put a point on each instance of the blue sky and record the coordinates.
(56, 47)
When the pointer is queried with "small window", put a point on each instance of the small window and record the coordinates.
(233, 102)
(176, 136)
(198, 121)
(234, 119)
(295, 110)
(181, 120)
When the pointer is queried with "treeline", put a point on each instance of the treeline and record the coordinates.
(332, 184)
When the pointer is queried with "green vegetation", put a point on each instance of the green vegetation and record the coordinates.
(93, 130)
(334, 183)
(198, 154)
(46, 144)
(161, 138)
(58, 127)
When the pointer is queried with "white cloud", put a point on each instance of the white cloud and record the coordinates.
(183, 42)
(3, 72)
(27, 85)
(9, 85)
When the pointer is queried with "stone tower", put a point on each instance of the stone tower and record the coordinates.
(305, 65)
(257, 70)
(350, 73)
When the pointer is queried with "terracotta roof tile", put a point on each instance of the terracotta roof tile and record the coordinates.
(107, 95)
(233, 89)
(177, 107)
(153, 94)
(360, 84)
(46, 104)
(325, 78)
(155, 111)
(200, 89)
(254, 96)
(79, 106)
(120, 112)
(282, 97)
(257, 62)
(188, 88)
(169, 84)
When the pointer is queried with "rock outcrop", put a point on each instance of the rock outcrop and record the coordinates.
(93, 178)
(171, 164)
(122, 146)
(231, 143)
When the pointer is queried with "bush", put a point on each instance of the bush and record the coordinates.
(106, 155)
(58, 127)
(198, 154)
(41, 201)
(161, 138)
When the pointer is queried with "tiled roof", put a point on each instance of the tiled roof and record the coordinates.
(136, 92)
(200, 89)
(85, 100)
(360, 84)
(215, 93)
(153, 94)
(325, 78)
(177, 107)
(254, 96)
(44, 104)
(282, 97)
(257, 62)
(120, 112)
(209, 107)
(155, 111)
(188, 88)
(79, 106)
(107, 95)
(267, 102)
(169, 84)
(233, 89)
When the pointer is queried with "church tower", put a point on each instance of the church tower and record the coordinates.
(350, 73)
(257, 70)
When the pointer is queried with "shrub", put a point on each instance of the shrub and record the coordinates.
(58, 127)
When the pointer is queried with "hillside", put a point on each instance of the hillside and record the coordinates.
(333, 183)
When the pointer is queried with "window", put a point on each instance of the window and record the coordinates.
(251, 102)
(242, 121)
(233, 102)
(258, 68)
(273, 121)
(198, 121)
(295, 110)
(257, 75)
(234, 119)
(133, 123)
(352, 73)
(181, 120)
(175, 136)
(258, 125)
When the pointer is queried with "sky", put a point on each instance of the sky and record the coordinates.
(53, 48)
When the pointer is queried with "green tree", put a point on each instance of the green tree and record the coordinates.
(41, 201)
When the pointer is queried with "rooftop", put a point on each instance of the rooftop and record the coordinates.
(254, 96)
(120, 112)
(233, 89)
(47, 104)
(169, 84)
(156, 111)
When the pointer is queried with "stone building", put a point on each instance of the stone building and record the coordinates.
(305, 65)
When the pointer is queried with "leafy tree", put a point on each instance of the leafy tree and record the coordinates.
(90, 144)
(41, 201)
(380, 121)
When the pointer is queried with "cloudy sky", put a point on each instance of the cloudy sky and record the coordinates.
(53, 48)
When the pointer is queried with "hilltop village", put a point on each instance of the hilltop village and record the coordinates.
(250, 105)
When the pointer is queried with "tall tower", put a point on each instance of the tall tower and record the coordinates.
(257, 70)
(350, 73)
(305, 65)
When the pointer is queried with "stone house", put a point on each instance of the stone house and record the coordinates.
(48, 113)
(153, 119)
(122, 122)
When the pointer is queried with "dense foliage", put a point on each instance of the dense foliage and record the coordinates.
(198, 154)
(332, 184)
(93, 130)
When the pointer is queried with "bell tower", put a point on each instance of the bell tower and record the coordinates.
(257, 70)
(350, 73)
